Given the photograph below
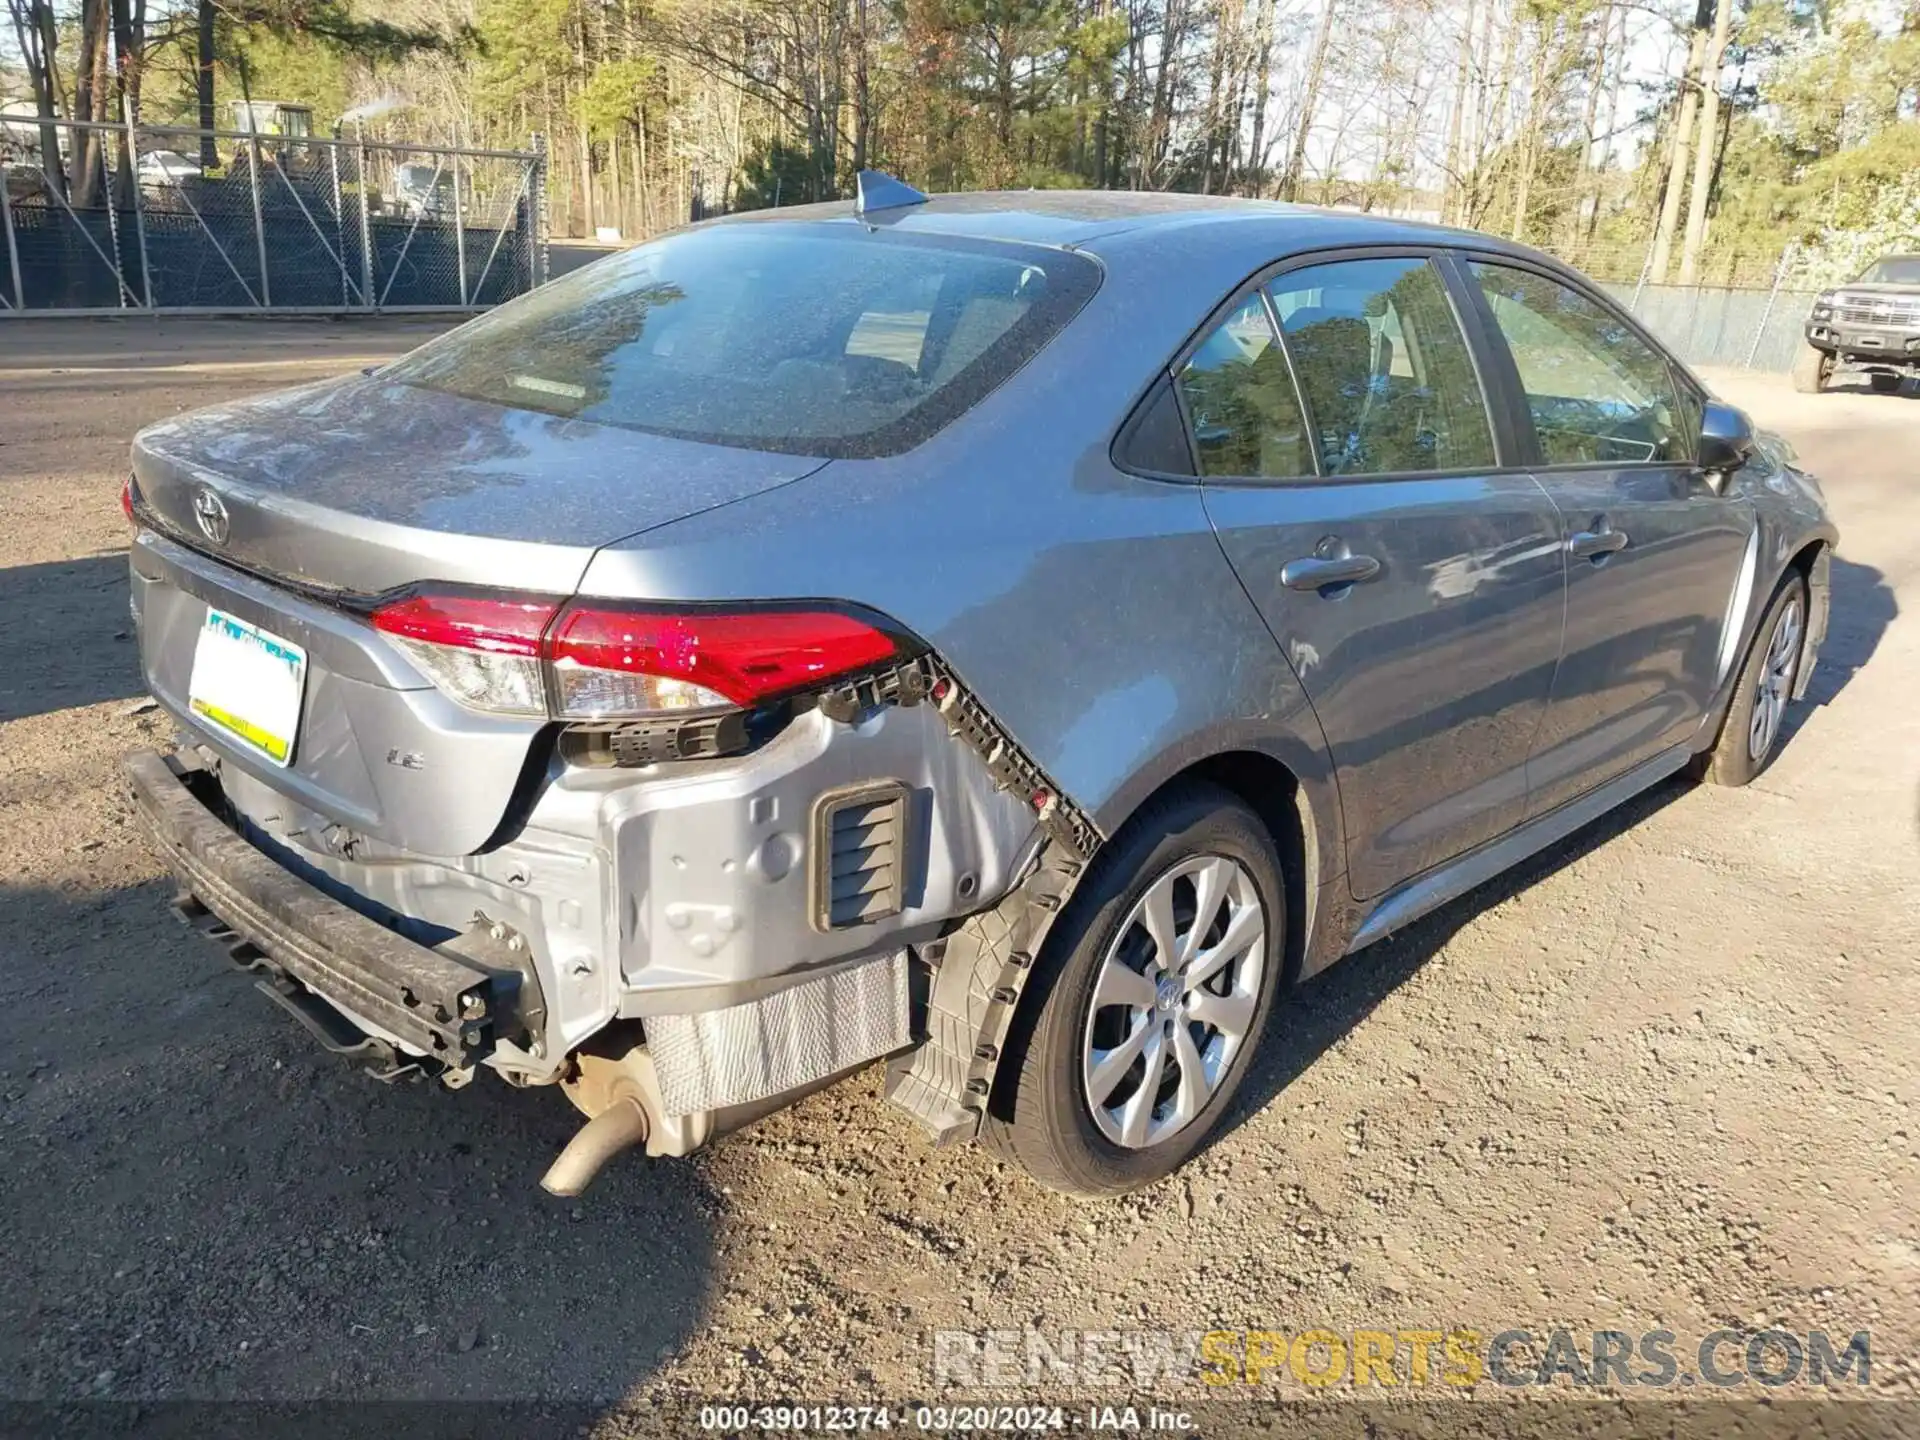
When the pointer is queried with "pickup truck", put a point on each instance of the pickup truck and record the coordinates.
(1871, 325)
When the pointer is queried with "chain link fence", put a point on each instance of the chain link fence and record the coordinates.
(1746, 311)
(108, 218)
(98, 218)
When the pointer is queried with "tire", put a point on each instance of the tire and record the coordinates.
(1883, 383)
(1775, 654)
(1812, 368)
(1040, 1114)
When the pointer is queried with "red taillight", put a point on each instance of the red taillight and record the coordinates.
(126, 500)
(616, 661)
(503, 625)
(531, 655)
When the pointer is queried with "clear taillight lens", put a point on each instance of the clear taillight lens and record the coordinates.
(484, 651)
(583, 660)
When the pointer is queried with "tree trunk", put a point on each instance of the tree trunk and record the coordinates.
(34, 29)
(1262, 93)
(1499, 114)
(614, 188)
(1589, 195)
(1530, 140)
(203, 86)
(92, 87)
(1215, 116)
(1705, 147)
(585, 152)
(638, 152)
(1613, 116)
(1677, 157)
(1316, 69)
(1462, 90)
(862, 99)
(129, 48)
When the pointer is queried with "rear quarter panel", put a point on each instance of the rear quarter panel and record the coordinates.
(1091, 610)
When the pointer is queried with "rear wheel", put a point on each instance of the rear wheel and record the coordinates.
(1148, 1000)
(1812, 369)
(1751, 733)
(1883, 383)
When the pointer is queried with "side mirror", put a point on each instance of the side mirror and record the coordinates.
(1726, 439)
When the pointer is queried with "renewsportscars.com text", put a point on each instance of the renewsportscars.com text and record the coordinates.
(1322, 1357)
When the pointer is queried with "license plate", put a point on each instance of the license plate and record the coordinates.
(248, 682)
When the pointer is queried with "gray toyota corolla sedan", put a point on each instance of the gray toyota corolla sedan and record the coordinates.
(1014, 635)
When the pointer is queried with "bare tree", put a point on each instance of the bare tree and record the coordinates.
(1316, 72)
(1678, 150)
(35, 32)
(1456, 118)
(1705, 146)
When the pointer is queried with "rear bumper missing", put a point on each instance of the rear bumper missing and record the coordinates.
(429, 1002)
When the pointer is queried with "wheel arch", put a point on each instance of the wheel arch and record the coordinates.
(1811, 558)
(1814, 562)
(1301, 834)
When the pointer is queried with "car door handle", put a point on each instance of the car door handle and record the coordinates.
(1318, 572)
(1593, 544)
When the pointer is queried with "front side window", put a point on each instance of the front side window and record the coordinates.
(1598, 393)
(814, 340)
(1386, 373)
(1240, 401)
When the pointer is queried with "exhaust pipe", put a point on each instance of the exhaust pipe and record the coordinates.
(621, 1124)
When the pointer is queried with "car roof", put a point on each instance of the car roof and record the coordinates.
(1109, 222)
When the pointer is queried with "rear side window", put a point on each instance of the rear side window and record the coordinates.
(1386, 373)
(819, 340)
(1598, 393)
(1240, 401)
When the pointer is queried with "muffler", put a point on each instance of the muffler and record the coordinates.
(620, 1095)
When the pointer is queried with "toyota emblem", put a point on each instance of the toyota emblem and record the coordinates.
(211, 513)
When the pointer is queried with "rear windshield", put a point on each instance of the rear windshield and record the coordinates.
(816, 340)
(1894, 270)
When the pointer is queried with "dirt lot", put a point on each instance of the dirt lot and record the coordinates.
(1665, 1077)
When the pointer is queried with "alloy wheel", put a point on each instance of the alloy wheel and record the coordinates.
(1174, 1000)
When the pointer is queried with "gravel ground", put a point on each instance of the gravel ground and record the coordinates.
(1662, 1077)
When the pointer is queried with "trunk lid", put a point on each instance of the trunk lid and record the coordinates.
(356, 487)
(363, 485)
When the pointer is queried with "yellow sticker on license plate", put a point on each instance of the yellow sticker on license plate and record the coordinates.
(248, 682)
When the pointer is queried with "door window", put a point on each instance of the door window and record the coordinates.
(1241, 403)
(1598, 393)
(1387, 377)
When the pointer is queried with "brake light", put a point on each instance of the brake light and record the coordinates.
(126, 500)
(580, 660)
(620, 662)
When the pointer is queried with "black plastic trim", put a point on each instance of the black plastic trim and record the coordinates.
(1155, 440)
(433, 1002)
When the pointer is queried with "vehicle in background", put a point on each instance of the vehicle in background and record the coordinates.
(1016, 635)
(423, 188)
(1871, 327)
(166, 167)
(271, 117)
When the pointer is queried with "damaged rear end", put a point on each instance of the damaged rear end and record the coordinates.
(682, 859)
